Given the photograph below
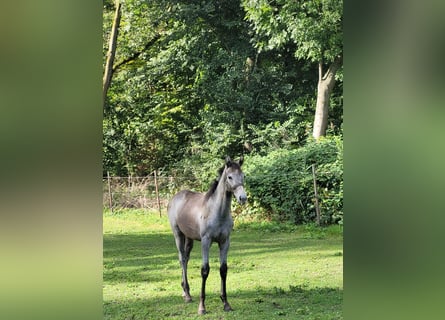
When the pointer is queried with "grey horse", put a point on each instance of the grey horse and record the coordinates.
(206, 217)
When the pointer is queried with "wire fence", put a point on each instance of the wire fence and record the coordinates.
(150, 192)
(153, 192)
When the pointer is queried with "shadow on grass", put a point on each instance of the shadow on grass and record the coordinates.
(252, 244)
(140, 257)
(275, 303)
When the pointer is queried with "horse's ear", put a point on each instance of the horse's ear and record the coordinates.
(240, 161)
(228, 161)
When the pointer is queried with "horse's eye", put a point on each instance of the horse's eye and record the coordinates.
(230, 177)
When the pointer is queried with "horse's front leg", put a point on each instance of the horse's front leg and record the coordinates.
(205, 270)
(223, 250)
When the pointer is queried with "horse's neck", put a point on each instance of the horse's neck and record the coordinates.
(221, 199)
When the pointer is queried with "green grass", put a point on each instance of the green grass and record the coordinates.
(275, 271)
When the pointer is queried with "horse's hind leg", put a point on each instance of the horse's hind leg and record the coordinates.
(180, 240)
(188, 246)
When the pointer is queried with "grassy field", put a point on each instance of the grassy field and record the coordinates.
(275, 271)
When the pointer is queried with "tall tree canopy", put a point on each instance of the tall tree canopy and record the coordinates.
(196, 80)
(315, 27)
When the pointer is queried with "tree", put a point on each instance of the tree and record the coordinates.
(315, 27)
(177, 70)
(108, 73)
(189, 87)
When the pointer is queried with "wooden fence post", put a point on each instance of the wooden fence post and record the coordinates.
(317, 207)
(157, 194)
(110, 195)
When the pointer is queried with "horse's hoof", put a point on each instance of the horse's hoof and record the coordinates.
(227, 308)
(201, 311)
(201, 308)
(187, 299)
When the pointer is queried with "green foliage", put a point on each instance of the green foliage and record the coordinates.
(265, 226)
(155, 112)
(280, 184)
(314, 26)
(312, 30)
(189, 87)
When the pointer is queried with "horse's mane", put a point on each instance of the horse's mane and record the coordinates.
(214, 184)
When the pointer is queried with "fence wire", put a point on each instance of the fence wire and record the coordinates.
(150, 192)
(153, 192)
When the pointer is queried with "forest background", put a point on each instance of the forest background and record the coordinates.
(187, 83)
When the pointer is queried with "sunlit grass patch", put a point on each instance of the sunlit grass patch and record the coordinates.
(273, 274)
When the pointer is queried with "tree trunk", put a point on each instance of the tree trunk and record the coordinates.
(111, 51)
(326, 83)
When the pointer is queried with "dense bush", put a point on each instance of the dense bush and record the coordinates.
(280, 184)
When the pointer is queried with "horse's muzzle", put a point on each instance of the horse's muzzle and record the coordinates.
(240, 195)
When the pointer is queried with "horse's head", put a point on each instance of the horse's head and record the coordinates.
(235, 179)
